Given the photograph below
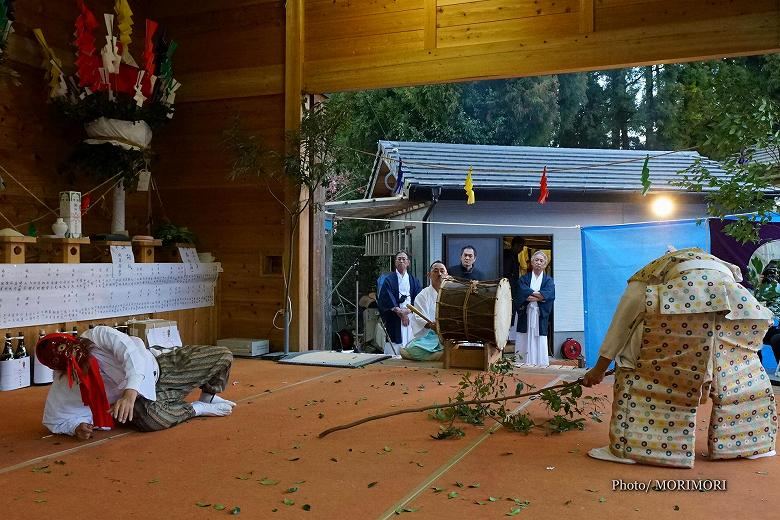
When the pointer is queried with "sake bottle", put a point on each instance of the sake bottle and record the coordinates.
(21, 351)
(8, 351)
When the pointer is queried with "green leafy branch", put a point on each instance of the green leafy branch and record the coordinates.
(735, 137)
(491, 402)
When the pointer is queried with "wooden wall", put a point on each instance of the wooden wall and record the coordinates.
(231, 63)
(359, 45)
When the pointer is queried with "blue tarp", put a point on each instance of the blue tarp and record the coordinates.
(611, 254)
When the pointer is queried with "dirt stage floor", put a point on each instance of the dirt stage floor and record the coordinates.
(266, 459)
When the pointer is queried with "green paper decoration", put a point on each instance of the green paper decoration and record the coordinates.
(646, 176)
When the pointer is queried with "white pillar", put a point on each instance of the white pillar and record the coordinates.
(118, 215)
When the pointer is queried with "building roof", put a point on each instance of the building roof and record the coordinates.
(520, 167)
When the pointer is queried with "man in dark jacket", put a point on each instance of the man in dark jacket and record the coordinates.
(534, 294)
(466, 269)
(398, 290)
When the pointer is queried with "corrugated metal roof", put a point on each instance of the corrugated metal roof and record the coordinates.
(519, 167)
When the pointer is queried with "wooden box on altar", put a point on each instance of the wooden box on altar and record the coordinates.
(144, 250)
(12, 249)
(470, 355)
(61, 250)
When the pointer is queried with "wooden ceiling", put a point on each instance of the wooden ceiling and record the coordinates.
(353, 44)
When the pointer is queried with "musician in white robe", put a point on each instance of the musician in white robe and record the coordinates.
(426, 346)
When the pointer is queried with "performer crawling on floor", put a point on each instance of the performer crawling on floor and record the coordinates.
(108, 376)
(685, 323)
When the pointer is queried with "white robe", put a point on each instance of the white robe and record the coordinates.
(425, 302)
(531, 347)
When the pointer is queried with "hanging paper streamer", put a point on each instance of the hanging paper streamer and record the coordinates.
(543, 192)
(469, 187)
(124, 17)
(148, 61)
(7, 17)
(646, 176)
(53, 65)
(87, 60)
(110, 69)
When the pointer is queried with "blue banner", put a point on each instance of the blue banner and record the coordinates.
(611, 254)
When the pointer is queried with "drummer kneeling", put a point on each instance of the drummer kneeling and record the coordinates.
(426, 346)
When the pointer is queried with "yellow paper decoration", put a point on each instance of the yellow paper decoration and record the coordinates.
(469, 187)
(53, 64)
(125, 24)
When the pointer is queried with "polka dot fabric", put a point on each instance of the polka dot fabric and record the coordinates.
(699, 326)
(744, 414)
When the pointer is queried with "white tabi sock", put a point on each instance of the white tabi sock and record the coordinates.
(206, 397)
(762, 455)
(211, 409)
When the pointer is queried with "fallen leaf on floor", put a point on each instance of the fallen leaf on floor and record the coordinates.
(334, 459)
(39, 500)
(62, 462)
(762, 473)
(602, 499)
(299, 482)
(508, 453)
(219, 507)
(459, 484)
(320, 415)
(154, 481)
(474, 485)
(288, 501)
(293, 459)
(307, 507)
(372, 484)
(42, 469)
(236, 510)
(452, 494)
(269, 482)
(550, 468)
(567, 502)
(493, 499)
(39, 491)
(291, 490)
(437, 489)
(592, 490)
(387, 449)
(676, 508)
(203, 504)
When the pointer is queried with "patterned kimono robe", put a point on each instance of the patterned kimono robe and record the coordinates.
(699, 333)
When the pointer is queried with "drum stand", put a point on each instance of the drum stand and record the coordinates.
(478, 356)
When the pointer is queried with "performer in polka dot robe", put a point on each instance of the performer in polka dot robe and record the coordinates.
(685, 329)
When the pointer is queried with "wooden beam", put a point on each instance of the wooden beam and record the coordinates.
(293, 81)
(668, 43)
(587, 13)
(232, 83)
(430, 24)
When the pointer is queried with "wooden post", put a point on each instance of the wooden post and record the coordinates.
(293, 82)
(587, 14)
(430, 24)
